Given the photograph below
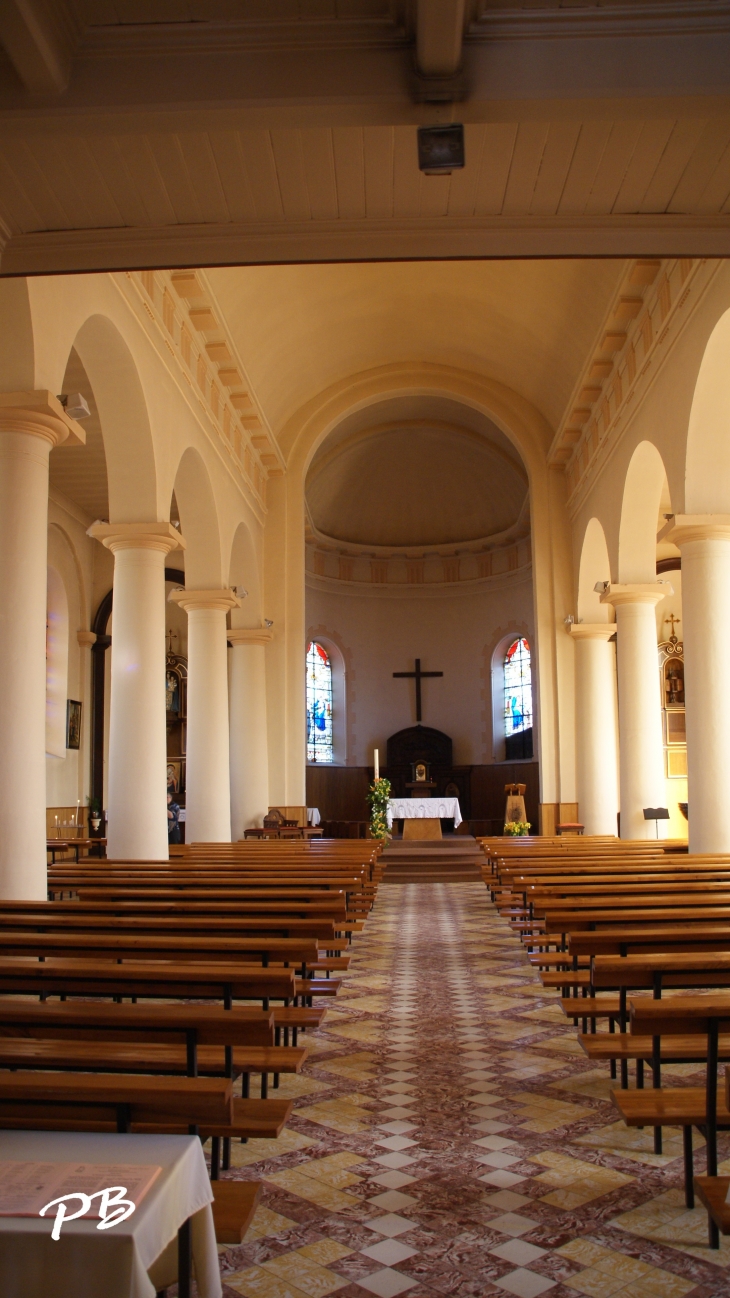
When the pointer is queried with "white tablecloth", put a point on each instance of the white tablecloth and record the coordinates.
(112, 1263)
(424, 808)
(313, 816)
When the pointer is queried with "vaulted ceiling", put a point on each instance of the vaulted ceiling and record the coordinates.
(528, 324)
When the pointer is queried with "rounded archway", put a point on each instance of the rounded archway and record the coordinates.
(124, 419)
(199, 523)
(646, 491)
(707, 470)
(594, 568)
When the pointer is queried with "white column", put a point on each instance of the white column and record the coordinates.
(639, 705)
(207, 779)
(248, 733)
(31, 423)
(595, 726)
(137, 810)
(704, 541)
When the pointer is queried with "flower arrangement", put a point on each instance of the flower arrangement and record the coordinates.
(517, 828)
(378, 795)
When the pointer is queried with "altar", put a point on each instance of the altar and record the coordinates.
(422, 816)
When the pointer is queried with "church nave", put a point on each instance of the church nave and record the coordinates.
(450, 1138)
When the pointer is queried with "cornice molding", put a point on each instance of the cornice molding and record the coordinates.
(159, 309)
(480, 546)
(622, 18)
(664, 313)
(420, 589)
(257, 243)
(123, 40)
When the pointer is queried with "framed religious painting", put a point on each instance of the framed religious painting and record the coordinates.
(73, 723)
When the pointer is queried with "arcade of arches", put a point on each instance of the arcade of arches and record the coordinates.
(393, 462)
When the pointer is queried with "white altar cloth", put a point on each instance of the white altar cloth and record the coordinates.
(112, 1263)
(423, 809)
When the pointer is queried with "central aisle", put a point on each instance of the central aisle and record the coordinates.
(450, 1138)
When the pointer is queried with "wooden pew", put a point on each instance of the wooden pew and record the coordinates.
(149, 979)
(101, 1102)
(236, 925)
(154, 946)
(705, 1017)
(188, 1039)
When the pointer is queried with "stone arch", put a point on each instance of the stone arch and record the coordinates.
(595, 566)
(125, 423)
(525, 426)
(199, 523)
(645, 490)
(244, 572)
(707, 466)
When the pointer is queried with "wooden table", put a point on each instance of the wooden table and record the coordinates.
(54, 845)
(119, 1268)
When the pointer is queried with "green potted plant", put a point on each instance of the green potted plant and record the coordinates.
(378, 796)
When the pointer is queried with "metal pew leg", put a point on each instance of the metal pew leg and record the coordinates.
(215, 1158)
(226, 1158)
(689, 1186)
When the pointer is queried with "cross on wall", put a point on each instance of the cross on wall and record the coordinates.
(417, 676)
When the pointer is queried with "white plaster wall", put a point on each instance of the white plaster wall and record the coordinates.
(70, 552)
(453, 633)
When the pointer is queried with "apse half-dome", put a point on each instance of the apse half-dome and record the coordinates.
(414, 473)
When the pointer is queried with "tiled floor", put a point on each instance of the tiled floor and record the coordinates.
(450, 1138)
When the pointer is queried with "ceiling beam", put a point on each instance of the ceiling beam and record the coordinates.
(37, 42)
(439, 37)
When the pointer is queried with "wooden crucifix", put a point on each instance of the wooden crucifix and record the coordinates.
(417, 676)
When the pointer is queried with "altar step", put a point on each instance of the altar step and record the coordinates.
(455, 860)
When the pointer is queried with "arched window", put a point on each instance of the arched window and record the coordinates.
(518, 700)
(319, 704)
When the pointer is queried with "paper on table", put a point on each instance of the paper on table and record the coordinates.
(25, 1188)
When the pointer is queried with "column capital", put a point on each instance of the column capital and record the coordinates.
(261, 635)
(649, 592)
(41, 415)
(699, 527)
(592, 630)
(137, 536)
(193, 600)
(86, 638)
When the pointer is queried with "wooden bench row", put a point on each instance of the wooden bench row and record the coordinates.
(594, 922)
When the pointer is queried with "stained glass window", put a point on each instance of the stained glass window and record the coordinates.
(517, 688)
(319, 704)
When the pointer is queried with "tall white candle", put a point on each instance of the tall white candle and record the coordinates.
(376, 763)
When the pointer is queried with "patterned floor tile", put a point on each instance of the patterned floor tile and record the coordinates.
(520, 1180)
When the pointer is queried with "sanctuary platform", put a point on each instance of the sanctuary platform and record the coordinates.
(447, 860)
